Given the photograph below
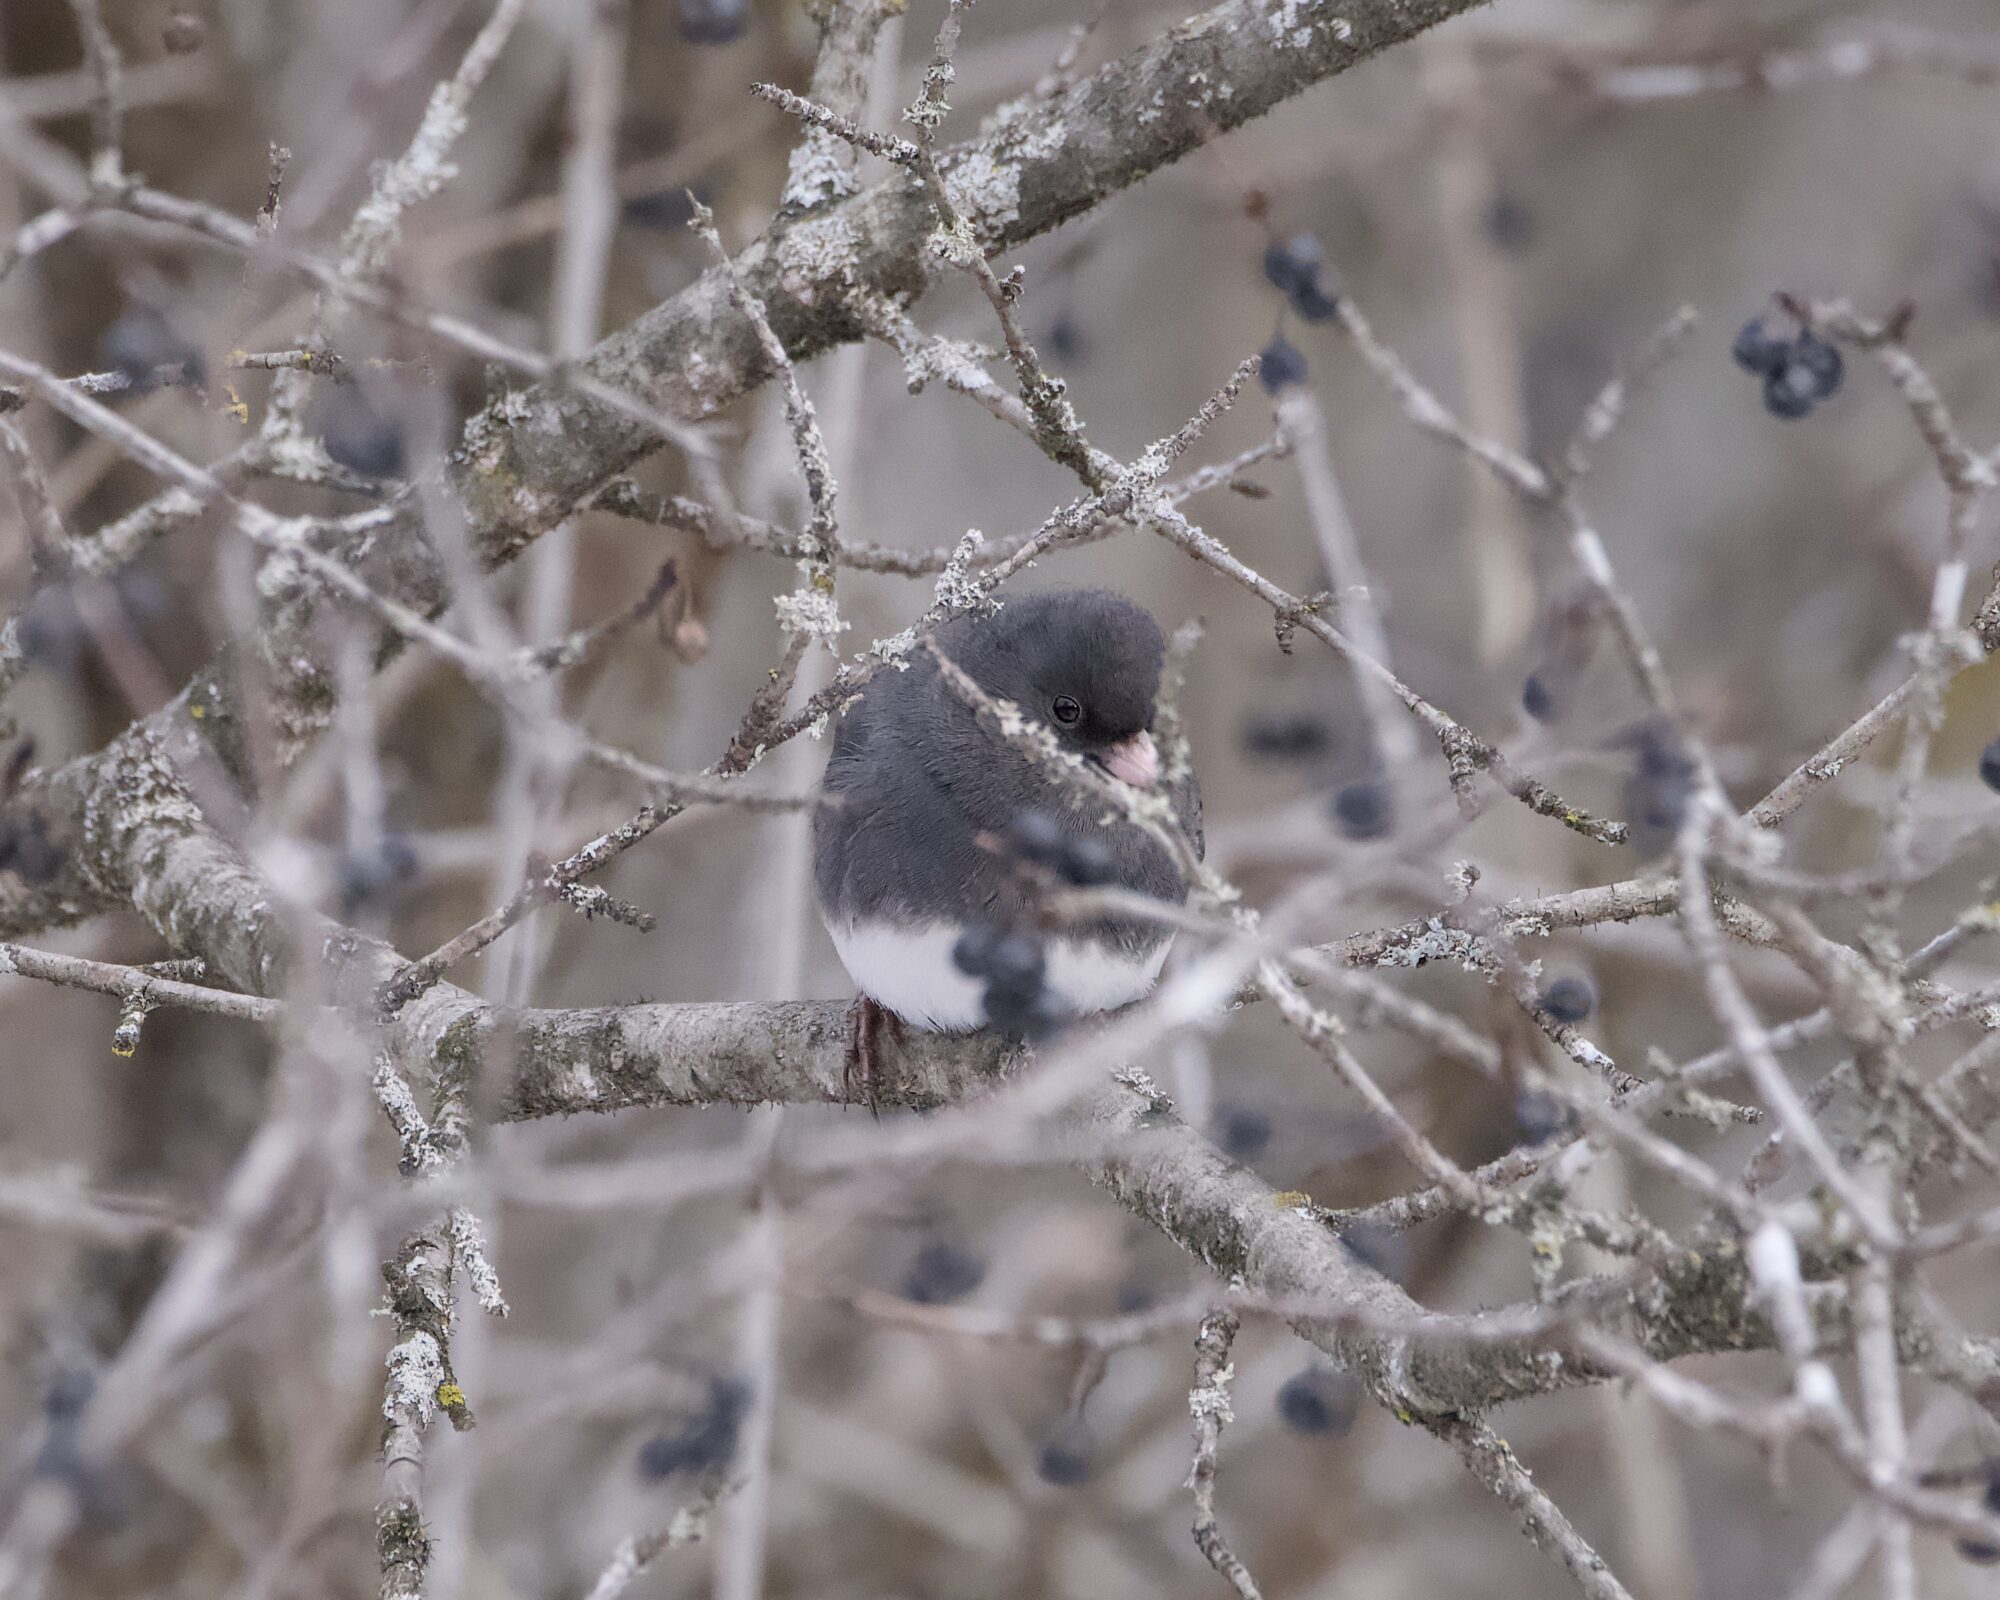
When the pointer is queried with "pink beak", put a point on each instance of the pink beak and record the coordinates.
(1135, 760)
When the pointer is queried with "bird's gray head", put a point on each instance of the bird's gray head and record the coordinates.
(1086, 662)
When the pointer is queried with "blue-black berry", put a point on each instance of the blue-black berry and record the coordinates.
(1087, 862)
(27, 851)
(1761, 345)
(1790, 392)
(1066, 339)
(1511, 223)
(1989, 766)
(368, 875)
(1819, 361)
(1035, 836)
(1015, 963)
(972, 954)
(1280, 363)
(1315, 302)
(713, 21)
(1568, 999)
(1657, 793)
(356, 433)
(1363, 810)
(1066, 1458)
(1376, 1248)
(1242, 1131)
(668, 210)
(1031, 1017)
(1984, 1551)
(707, 1442)
(941, 1273)
(1287, 735)
(1319, 1400)
(1293, 264)
(1038, 837)
(1538, 1116)
(1537, 699)
(147, 351)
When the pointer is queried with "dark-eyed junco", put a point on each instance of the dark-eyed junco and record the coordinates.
(921, 858)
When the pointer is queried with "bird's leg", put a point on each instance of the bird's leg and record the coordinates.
(864, 1039)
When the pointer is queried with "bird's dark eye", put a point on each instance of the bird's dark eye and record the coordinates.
(1067, 710)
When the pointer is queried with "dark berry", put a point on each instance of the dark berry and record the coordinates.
(356, 434)
(366, 876)
(1376, 1248)
(1790, 391)
(1363, 809)
(1538, 1116)
(1511, 223)
(27, 851)
(69, 1391)
(1537, 699)
(51, 631)
(668, 210)
(972, 954)
(1135, 1294)
(1031, 1018)
(1984, 1551)
(1036, 836)
(1065, 1459)
(1292, 264)
(1287, 736)
(1242, 1132)
(1319, 1400)
(1066, 339)
(942, 1273)
(1087, 862)
(1015, 963)
(713, 21)
(144, 347)
(1568, 999)
(1819, 361)
(1989, 766)
(1657, 793)
(1315, 303)
(707, 1442)
(1761, 345)
(1280, 363)
(183, 33)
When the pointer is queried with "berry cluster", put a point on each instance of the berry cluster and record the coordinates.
(1657, 793)
(359, 436)
(1984, 1551)
(713, 21)
(1567, 999)
(941, 1273)
(1799, 370)
(1293, 265)
(1373, 1246)
(1319, 1400)
(148, 351)
(1012, 966)
(707, 1443)
(1280, 364)
(1538, 1116)
(1066, 1458)
(1242, 1131)
(1287, 736)
(1039, 838)
(1364, 810)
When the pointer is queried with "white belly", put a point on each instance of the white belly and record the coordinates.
(910, 971)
